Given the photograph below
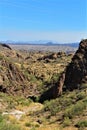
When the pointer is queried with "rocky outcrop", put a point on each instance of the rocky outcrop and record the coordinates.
(74, 75)
(14, 78)
(53, 56)
(6, 46)
(11, 78)
(76, 71)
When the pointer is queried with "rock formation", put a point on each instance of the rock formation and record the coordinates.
(10, 77)
(7, 46)
(17, 77)
(53, 56)
(61, 83)
(74, 75)
(76, 71)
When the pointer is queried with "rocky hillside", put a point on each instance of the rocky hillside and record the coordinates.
(73, 77)
(29, 73)
(12, 79)
(30, 80)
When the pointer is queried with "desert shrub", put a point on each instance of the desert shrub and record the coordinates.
(84, 85)
(75, 110)
(55, 78)
(37, 99)
(37, 125)
(65, 102)
(72, 95)
(56, 105)
(66, 122)
(1, 118)
(81, 95)
(33, 79)
(85, 100)
(52, 107)
(82, 123)
(33, 128)
(28, 124)
(8, 126)
(24, 102)
(1, 57)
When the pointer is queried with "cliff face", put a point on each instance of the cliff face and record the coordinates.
(76, 71)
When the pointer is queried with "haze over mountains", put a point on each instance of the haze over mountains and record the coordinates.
(41, 42)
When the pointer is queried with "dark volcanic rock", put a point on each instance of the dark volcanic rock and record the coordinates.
(76, 72)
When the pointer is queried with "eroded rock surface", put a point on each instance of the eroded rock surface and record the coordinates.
(76, 71)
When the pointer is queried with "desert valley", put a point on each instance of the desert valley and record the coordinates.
(43, 89)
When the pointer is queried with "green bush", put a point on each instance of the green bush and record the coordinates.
(75, 110)
(23, 101)
(83, 86)
(55, 78)
(81, 95)
(33, 128)
(1, 57)
(65, 102)
(52, 107)
(28, 124)
(1, 118)
(66, 122)
(8, 126)
(82, 123)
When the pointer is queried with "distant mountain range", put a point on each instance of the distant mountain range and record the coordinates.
(40, 42)
(64, 44)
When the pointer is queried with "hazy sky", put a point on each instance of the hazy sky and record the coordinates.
(57, 20)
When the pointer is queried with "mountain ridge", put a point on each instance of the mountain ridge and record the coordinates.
(75, 44)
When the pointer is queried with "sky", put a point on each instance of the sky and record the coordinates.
(63, 21)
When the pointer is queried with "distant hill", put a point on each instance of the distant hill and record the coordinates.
(73, 44)
(64, 44)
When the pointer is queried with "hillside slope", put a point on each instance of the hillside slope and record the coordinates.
(29, 77)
